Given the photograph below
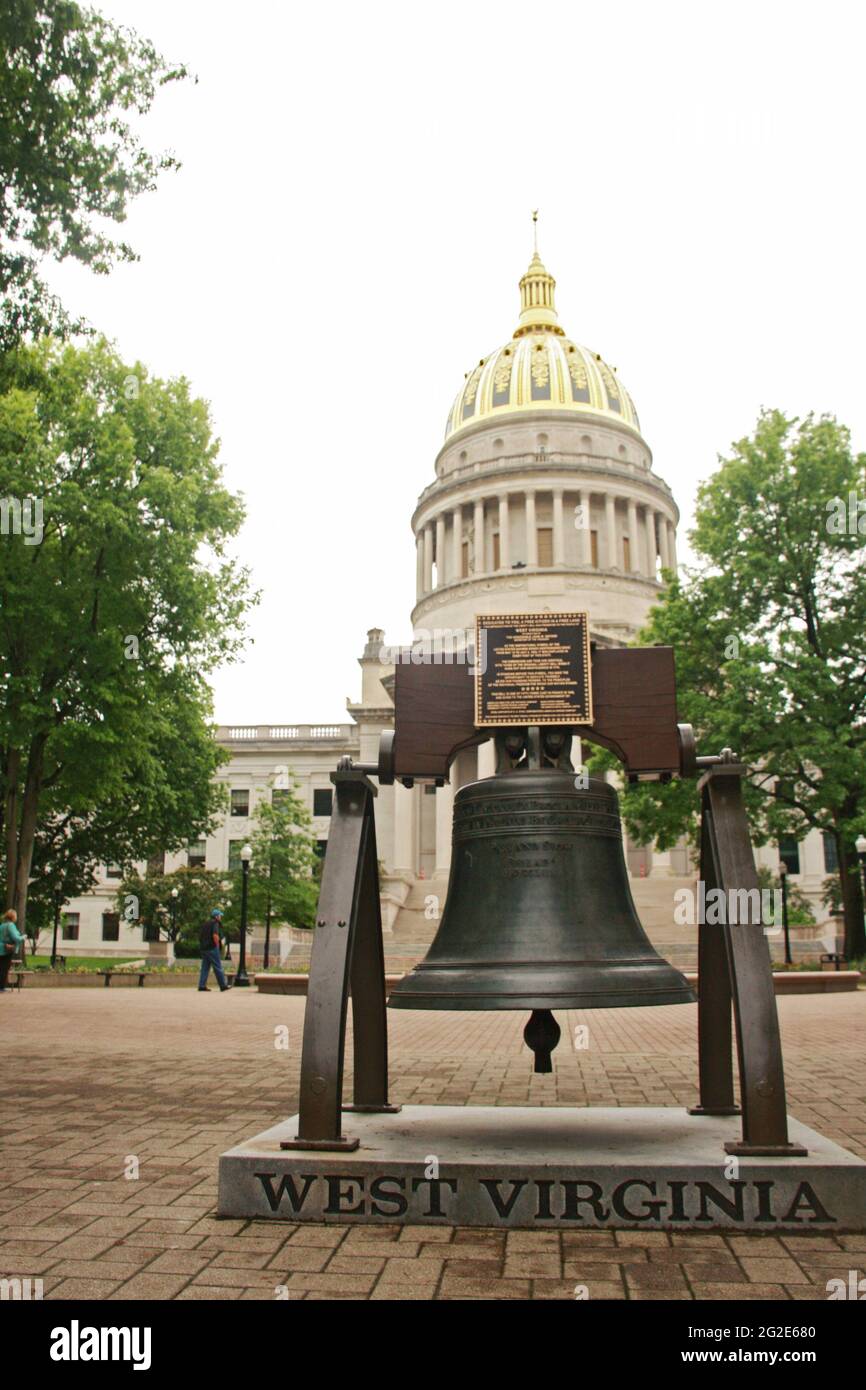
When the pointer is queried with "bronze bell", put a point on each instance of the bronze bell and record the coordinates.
(539, 913)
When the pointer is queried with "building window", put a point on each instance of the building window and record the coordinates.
(113, 871)
(320, 847)
(789, 853)
(831, 855)
(593, 549)
(626, 554)
(110, 926)
(464, 560)
(545, 546)
(323, 801)
(235, 847)
(496, 550)
(71, 924)
(196, 854)
(240, 803)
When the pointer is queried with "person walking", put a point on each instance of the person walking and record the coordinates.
(10, 942)
(209, 941)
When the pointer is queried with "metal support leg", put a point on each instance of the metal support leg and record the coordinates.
(348, 922)
(727, 863)
(715, 1060)
(367, 982)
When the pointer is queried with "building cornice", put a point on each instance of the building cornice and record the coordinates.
(505, 581)
(528, 472)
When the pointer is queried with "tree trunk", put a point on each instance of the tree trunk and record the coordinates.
(27, 832)
(13, 768)
(852, 902)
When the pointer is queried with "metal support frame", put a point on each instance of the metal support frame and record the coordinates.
(347, 957)
(734, 968)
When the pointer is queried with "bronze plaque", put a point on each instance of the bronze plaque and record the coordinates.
(532, 668)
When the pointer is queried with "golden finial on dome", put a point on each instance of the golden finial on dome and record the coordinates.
(537, 307)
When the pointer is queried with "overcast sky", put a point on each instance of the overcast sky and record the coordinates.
(346, 234)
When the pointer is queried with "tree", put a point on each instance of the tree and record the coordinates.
(116, 600)
(282, 884)
(768, 634)
(69, 158)
(146, 899)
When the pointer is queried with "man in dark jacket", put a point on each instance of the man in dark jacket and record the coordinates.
(209, 941)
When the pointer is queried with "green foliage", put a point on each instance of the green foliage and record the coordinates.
(283, 884)
(146, 900)
(78, 965)
(113, 620)
(800, 912)
(831, 893)
(72, 86)
(768, 634)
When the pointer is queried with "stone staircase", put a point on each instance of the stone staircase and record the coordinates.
(654, 899)
(413, 929)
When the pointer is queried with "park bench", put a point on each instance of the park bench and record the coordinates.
(107, 974)
(16, 978)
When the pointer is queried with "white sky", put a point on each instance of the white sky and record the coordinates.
(345, 238)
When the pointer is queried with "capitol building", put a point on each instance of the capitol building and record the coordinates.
(543, 499)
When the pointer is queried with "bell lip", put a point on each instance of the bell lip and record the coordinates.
(567, 999)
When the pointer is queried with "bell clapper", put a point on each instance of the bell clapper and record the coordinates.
(541, 1035)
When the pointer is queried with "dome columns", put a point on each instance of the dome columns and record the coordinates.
(504, 534)
(558, 531)
(457, 543)
(583, 522)
(526, 526)
(633, 562)
(610, 526)
(478, 562)
(531, 531)
(651, 543)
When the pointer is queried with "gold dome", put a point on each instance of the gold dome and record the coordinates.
(540, 369)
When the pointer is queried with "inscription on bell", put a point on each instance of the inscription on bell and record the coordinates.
(537, 670)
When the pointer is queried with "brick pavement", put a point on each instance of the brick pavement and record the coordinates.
(158, 1075)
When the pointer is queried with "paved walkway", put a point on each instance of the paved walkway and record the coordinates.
(101, 1083)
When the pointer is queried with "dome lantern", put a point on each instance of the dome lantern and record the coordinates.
(537, 307)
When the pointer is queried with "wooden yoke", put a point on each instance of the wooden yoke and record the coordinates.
(635, 712)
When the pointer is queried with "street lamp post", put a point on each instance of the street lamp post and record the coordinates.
(783, 875)
(173, 913)
(58, 899)
(267, 959)
(860, 846)
(225, 885)
(241, 978)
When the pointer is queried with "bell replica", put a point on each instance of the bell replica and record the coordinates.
(539, 914)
